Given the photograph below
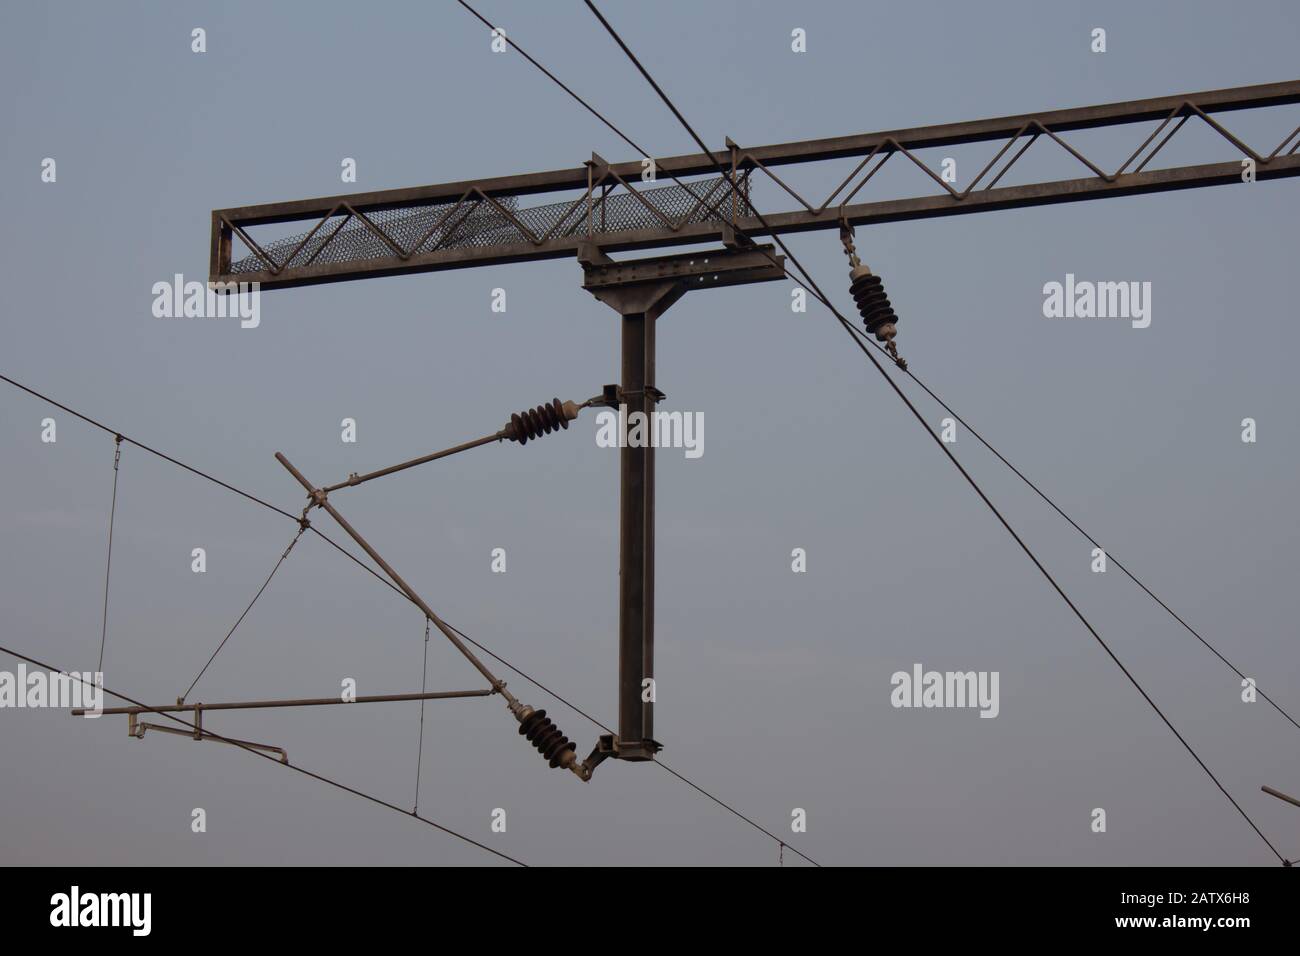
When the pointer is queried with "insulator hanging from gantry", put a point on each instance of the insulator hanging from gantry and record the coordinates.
(873, 304)
(533, 423)
(869, 295)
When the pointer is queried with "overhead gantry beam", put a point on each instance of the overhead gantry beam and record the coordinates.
(481, 222)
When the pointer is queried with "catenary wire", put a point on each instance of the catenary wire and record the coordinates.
(810, 285)
(143, 447)
(242, 746)
(1093, 541)
(379, 577)
(573, 707)
(912, 408)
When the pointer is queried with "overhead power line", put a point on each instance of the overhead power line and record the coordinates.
(153, 451)
(809, 283)
(1093, 541)
(951, 457)
(911, 374)
(383, 580)
(582, 713)
(242, 745)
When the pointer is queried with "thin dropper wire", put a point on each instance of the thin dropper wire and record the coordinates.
(108, 564)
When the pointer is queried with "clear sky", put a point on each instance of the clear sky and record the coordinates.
(773, 687)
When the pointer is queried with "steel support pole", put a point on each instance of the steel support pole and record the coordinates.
(640, 291)
(636, 564)
(639, 303)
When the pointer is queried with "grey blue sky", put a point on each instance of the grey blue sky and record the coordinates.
(773, 687)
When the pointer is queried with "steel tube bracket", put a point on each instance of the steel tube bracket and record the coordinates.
(136, 729)
(641, 290)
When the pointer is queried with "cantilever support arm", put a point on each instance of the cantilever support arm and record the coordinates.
(320, 498)
(534, 724)
(298, 702)
(510, 432)
(136, 727)
(355, 479)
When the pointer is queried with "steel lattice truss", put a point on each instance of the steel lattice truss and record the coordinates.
(476, 220)
(481, 222)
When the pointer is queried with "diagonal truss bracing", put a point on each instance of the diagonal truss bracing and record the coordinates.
(482, 222)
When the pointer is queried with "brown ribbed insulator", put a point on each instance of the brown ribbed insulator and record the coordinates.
(539, 421)
(546, 737)
(873, 304)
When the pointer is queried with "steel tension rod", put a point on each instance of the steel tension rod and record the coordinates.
(136, 727)
(298, 702)
(529, 424)
(540, 731)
